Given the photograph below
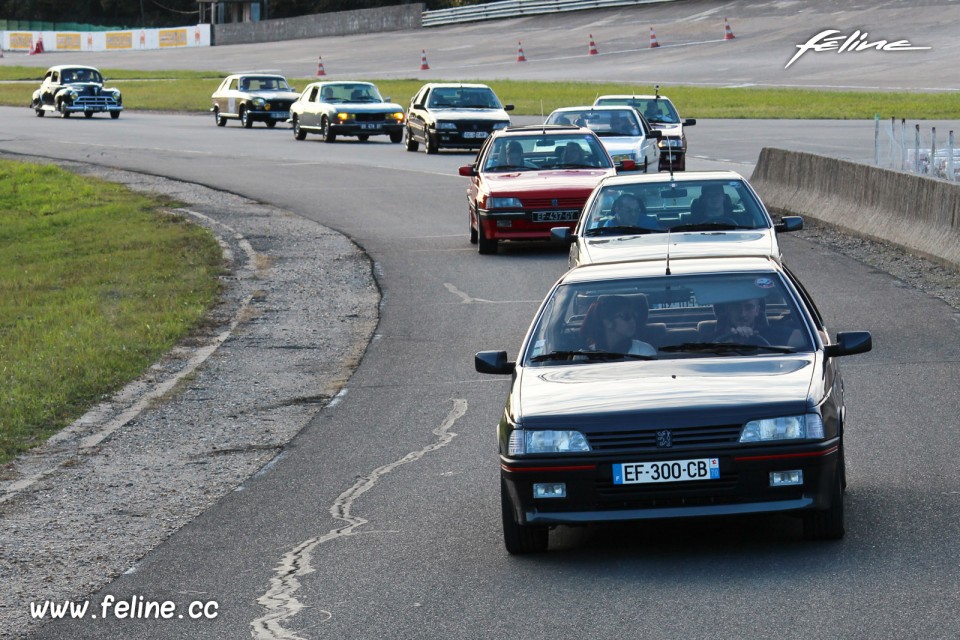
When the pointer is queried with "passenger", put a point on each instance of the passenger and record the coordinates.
(713, 205)
(611, 325)
(622, 126)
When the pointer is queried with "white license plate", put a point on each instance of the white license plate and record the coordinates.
(280, 115)
(369, 125)
(476, 135)
(555, 216)
(670, 471)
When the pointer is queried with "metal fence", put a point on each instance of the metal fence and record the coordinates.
(516, 8)
(912, 150)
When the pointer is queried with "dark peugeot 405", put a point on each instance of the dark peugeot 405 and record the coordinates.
(689, 388)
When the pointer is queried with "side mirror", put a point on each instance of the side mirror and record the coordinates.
(789, 223)
(689, 122)
(848, 343)
(508, 107)
(418, 105)
(493, 362)
(656, 134)
(562, 234)
(628, 165)
(468, 171)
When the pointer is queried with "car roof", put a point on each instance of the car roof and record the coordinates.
(72, 66)
(595, 107)
(544, 129)
(679, 177)
(627, 96)
(454, 85)
(256, 73)
(656, 267)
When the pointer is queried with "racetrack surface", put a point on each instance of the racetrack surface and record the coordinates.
(380, 518)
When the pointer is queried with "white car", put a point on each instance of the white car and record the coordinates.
(662, 116)
(624, 133)
(640, 217)
(345, 108)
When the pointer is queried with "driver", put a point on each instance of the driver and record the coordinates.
(740, 320)
(713, 205)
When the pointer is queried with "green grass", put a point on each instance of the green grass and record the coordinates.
(190, 91)
(96, 283)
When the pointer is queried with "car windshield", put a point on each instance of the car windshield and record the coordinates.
(539, 151)
(81, 75)
(669, 317)
(655, 110)
(255, 83)
(350, 92)
(603, 122)
(694, 205)
(463, 98)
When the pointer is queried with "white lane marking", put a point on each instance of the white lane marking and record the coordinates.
(467, 299)
(279, 601)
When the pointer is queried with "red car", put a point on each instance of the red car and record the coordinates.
(527, 180)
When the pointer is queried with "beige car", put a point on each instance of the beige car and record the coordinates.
(253, 97)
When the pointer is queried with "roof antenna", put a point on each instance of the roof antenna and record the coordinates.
(668, 253)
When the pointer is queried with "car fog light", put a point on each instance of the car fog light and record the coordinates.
(549, 490)
(504, 223)
(786, 478)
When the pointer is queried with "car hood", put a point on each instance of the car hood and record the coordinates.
(275, 95)
(621, 145)
(671, 393)
(669, 130)
(495, 115)
(554, 180)
(759, 242)
(365, 107)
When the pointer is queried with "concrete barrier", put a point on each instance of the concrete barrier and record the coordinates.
(919, 214)
(340, 23)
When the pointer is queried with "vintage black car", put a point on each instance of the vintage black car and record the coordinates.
(253, 97)
(454, 116)
(689, 388)
(68, 89)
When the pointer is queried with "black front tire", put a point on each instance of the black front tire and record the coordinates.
(431, 146)
(271, 124)
(412, 144)
(62, 108)
(520, 539)
(363, 137)
(298, 132)
(485, 246)
(828, 524)
(245, 119)
(327, 131)
(219, 119)
(397, 137)
(114, 114)
(88, 114)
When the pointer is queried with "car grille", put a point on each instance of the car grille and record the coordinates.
(684, 494)
(474, 125)
(104, 100)
(643, 441)
(279, 105)
(553, 203)
(370, 117)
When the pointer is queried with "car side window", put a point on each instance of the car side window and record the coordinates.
(313, 94)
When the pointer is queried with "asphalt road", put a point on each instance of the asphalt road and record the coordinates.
(407, 455)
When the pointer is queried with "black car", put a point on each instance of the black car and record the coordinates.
(68, 89)
(689, 388)
(454, 116)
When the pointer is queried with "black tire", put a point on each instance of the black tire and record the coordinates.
(40, 112)
(114, 114)
(431, 146)
(88, 114)
(219, 119)
(828, 524)
(485, 246)
(412, 144)
(363, 137)
(473, 231)
(520, 539)
(681, 163)
(245, 119)
(298, 133)
(62, 109)
(326, 131)
(271, 124)
(396, 137)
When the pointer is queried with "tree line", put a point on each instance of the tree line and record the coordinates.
(171, 13)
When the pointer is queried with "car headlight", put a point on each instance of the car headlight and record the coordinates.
(342, 116)
(503, 203)
(74, 95)
(547, 441)
(398, 116)
(500, 125)
(446, 126)
(258, 102)
(809, 426)
(115, 94)
(669, 142)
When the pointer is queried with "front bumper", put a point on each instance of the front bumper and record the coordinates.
(459, 139)
(366, 128)
(742, 488)
(526, 225)
(258, 115)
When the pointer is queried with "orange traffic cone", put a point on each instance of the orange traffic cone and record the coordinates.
(727, 32)
(423, 60)
(320, 71)
(653, 39)
(520, 56)
(40, 44)
(593, 47)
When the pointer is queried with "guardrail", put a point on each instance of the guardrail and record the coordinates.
(515, 8)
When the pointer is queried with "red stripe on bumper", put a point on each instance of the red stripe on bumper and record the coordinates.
(785, 456)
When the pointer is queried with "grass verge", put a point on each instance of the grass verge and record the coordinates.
(96, 283)
(190, 91)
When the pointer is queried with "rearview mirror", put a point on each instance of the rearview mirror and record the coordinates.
(673, 194)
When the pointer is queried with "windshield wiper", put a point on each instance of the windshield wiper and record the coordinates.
(590, 355)
(509, 167)
(720, 348)
(620, 231)
(709, 226)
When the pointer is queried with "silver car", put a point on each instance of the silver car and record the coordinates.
(624, 133)
(659, 111)
(342, 108)
(691, 214)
